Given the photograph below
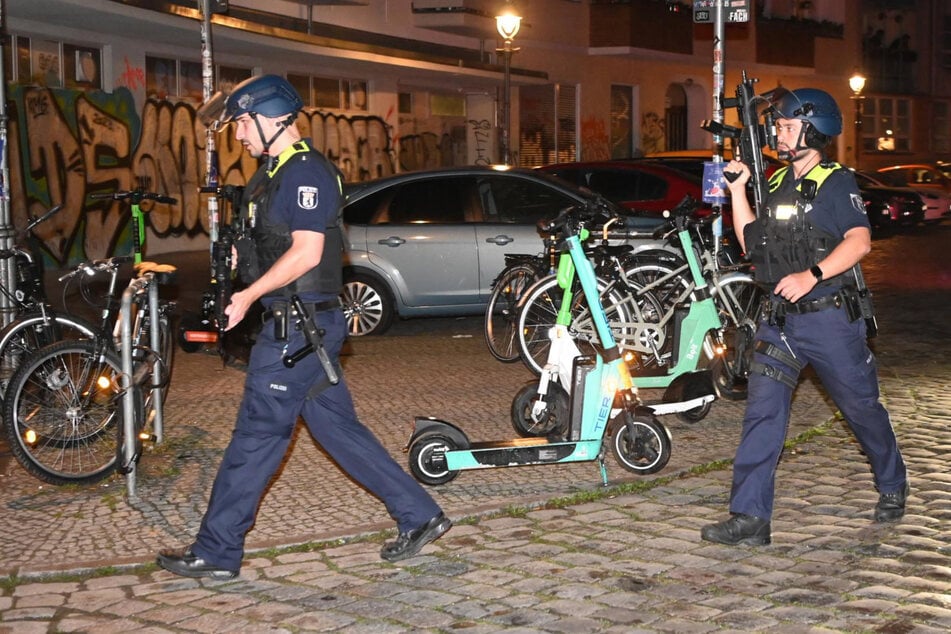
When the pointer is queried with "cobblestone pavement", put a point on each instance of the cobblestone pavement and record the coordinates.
(534, 549)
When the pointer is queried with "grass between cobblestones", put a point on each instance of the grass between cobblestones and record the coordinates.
(10, 582)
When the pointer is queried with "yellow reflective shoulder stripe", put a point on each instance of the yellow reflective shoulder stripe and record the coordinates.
(819, 174)
(284, 156)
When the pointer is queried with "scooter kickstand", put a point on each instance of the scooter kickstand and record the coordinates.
(604, 470)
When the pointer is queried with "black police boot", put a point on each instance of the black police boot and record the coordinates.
(186, 564)
(891, 506)
(411, 542)
(739, 529)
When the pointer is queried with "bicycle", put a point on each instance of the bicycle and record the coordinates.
(36, 323)
(58, 420)
(666, 277)
(65, 406)
(501, 313)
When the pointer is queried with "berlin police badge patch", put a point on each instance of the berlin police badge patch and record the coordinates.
(307, 197)
(857, 203)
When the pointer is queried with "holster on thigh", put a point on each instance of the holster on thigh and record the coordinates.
(779, 371)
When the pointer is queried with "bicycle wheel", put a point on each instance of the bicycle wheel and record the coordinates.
(63, 410)
(538, 314)
(34, 330)
(501, 313)
(666, 279)
(739, 301)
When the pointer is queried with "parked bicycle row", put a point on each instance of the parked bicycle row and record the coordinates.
(71, 388)
(648, 294)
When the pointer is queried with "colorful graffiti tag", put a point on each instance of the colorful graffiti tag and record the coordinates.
(65, 145)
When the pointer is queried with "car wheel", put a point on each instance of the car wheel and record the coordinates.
(367, 304)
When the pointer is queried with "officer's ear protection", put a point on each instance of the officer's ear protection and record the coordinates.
(813, 138)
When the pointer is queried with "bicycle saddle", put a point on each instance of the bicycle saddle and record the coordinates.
(162, 273)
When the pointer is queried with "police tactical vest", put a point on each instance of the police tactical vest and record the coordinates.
(266, 241)
(783, 241)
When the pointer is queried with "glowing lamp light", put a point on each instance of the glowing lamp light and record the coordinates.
(857, 83)
(508, 25)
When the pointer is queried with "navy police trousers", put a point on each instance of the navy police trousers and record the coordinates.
(274, 396)
(838, 352)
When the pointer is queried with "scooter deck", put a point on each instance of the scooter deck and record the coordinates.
(521, 451)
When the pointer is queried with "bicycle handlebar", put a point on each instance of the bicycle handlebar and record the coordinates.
(95, 266)
(135, 196)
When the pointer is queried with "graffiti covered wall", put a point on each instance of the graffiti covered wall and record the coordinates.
(65, 145)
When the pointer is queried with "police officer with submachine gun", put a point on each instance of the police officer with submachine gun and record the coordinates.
(806, 243)
(290, 256)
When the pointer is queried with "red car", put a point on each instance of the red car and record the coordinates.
(641, 185)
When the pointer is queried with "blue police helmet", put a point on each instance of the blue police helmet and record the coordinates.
(266, 95)
(812, 105)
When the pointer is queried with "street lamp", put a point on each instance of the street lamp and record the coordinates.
(507, 25)
(857, 84)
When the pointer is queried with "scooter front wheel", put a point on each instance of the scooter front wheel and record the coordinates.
(427, 458)
(641, 444)
(551, 421)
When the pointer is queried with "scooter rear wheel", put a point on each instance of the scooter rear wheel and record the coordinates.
(696, 414)
(427, 460)
(554, 419)
(643, 446)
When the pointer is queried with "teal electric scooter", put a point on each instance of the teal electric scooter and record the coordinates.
(603, 402)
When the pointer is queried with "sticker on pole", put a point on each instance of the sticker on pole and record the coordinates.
(705, 11)
(714, 184)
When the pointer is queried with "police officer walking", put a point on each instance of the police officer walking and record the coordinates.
(806, 246)
(294, 252)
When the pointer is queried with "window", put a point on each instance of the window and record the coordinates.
(167, 78)
(331, 92)
(447, 105)
(941, 127)
(946, 42)
(406, 103)
(886, 125)
(521, 201)
(432, 200)
(82, 67)
(622, 131)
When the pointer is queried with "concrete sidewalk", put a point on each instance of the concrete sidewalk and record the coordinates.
(534, 549)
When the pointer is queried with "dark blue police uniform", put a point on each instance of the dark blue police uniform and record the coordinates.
(837, 350)
(274, 396)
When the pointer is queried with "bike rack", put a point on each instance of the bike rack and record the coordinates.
(139, 284)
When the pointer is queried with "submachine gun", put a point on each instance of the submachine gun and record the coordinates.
(222, 262)
(751, 137)
(209, 324)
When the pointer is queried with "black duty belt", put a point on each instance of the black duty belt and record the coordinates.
(814, 305)
(315, 307)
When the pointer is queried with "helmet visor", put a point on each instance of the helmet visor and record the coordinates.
(212, 112)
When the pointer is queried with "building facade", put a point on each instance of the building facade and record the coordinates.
(104, 93)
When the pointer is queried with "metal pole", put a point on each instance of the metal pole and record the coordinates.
(158, 366)
(718, 61)
(7, 234)
(126, 384)
(858, 130)
(207, 90)
(506, 101)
